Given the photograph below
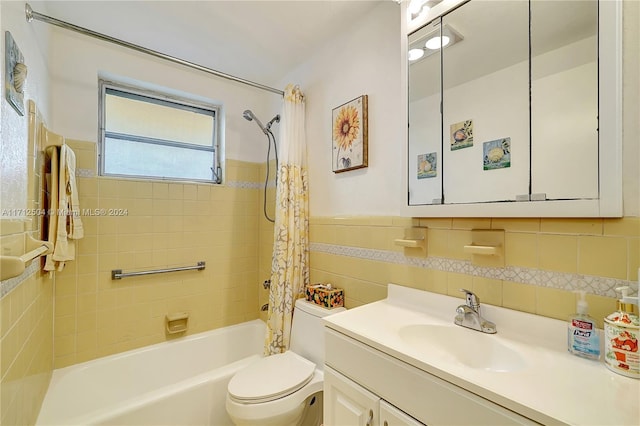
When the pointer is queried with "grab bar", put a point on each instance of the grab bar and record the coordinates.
(117, 274)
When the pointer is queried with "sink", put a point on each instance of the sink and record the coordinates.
(471, 348)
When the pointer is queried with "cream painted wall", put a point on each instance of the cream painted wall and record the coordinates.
(77, 61)
(365, 60)
(13, 130)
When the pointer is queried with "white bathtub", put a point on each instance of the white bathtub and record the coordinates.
(181, 382)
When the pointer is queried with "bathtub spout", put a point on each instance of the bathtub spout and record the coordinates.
(264, 307)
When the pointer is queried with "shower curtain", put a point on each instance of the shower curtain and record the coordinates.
(290, 261)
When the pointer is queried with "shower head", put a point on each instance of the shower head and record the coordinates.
(250, 116)
(275, 119)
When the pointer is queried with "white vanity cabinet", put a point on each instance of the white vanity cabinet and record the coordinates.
(359, 380)
(348, 404)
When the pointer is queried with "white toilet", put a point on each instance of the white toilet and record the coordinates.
(284, 389)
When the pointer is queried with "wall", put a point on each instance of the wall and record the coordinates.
(167, 223)
(26, 301)
(355, 214)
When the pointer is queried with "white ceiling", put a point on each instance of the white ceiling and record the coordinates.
(256, 40)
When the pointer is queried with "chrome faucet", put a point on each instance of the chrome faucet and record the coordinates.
(468, 315)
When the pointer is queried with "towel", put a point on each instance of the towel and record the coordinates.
(65, 224)
(51, 155)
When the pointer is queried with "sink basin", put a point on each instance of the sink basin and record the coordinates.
(471, 348)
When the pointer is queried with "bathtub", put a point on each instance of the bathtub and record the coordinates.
(181, 382)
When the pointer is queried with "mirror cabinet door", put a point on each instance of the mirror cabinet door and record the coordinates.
(485, 102)
(425, 122)
(564, 99)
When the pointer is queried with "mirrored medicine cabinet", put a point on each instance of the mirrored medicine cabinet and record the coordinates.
(514, 110)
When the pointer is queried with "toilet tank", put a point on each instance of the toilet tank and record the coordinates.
(307, 331)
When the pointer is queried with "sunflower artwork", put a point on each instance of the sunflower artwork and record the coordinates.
(349, 135)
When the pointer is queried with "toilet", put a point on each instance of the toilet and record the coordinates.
(284, 389)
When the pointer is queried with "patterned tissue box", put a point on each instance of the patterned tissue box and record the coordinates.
(324, 295)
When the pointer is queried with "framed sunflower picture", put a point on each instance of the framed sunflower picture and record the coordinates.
(349, 135)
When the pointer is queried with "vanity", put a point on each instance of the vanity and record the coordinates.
(403, 361)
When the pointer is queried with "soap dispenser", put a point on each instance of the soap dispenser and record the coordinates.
(621, 333)
(583, 339)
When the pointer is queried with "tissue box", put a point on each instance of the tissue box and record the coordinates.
(324, 295)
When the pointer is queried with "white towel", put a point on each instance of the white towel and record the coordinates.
(67, 225)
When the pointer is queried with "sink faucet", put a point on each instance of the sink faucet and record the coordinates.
(468, 315)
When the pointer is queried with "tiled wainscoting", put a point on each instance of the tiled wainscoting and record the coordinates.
(546, 259)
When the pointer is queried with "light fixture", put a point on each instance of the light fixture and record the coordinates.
(415, 54)
(435, 42)
(431, 40)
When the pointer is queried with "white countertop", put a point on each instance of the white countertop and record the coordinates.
(554, 386)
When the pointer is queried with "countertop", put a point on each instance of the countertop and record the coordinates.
(553, 387)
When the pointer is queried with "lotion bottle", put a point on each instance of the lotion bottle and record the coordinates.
(583, 339)
(621, 334)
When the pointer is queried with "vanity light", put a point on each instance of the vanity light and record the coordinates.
(415, 54)
(434, 42)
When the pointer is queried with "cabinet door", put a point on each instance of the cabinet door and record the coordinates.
(347, 403)
(485, 102)
(564, 100)
(391, 416)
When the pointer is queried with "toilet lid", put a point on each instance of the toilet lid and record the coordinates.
(271, 378)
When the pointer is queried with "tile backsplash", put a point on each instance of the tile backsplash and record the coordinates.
(546, 260)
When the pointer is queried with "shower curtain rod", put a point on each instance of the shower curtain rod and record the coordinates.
(31, 15)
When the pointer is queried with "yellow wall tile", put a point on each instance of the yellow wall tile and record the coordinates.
(488, 290)
(626, 226)
(456, 281)
(518, 296)
(634, 258)
(471, 223)
(558, 252)
(600, 307)
(554, 303)
(603, 256)
(438, 242)
(572, 226)
(436, 281)
(516, 224)
(457, 240)
(521, 249)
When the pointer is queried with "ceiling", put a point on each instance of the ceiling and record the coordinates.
(256, 40)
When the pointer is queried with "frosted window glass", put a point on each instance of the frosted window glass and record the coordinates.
(150, 135)
(152, 120)
(123, 157)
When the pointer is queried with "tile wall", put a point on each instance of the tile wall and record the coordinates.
(156, 225)
(26, 304)
(546, 259)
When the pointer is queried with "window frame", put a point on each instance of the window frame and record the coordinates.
(164, 99)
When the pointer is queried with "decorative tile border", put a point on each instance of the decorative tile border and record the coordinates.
(7, 285)
(249, 185)
(564, 281)
(85, 173)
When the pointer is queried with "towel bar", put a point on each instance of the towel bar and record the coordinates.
(117, 274)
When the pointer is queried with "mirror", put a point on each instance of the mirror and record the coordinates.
(505, 107)
(564, 99)
(425, 123)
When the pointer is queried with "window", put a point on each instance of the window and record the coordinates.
(150, 135)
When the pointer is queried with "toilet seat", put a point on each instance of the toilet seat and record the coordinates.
(271, 378)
